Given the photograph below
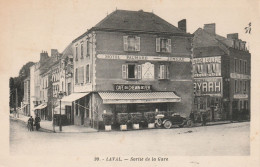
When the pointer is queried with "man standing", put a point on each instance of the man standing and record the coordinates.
(30, 122)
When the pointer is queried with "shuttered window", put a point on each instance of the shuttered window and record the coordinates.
(131, 43)
(131, 71)
(163, 45)
(164, 72)
(81, 50)
(88, 47)
(80, 75)
(76, 76)
(76, 53)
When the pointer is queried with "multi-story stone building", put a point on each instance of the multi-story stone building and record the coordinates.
(26, 99)
(131, 61)
(221, 70)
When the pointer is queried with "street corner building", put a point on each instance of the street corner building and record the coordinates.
(221, 71)
(131, 61)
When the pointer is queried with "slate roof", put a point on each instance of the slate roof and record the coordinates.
(67, 51)
(135, 21)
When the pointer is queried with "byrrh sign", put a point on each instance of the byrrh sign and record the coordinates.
(207, 67)
(208, 86)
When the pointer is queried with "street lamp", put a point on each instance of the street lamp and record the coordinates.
(60, 97)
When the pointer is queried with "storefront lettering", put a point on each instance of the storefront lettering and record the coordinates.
(206, 60)
(208, 86)
(124, 87)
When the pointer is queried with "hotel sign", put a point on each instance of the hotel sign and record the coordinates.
(211, 86)
(132, 87)
(145, 58)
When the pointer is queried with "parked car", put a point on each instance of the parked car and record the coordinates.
(168, 121)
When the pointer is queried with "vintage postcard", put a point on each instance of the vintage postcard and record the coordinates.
(129, 83)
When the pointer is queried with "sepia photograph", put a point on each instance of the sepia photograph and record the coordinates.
(123, 83)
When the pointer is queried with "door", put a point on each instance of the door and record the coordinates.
(68, 114)
(82, 116)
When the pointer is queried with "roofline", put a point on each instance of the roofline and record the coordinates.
(135, 31)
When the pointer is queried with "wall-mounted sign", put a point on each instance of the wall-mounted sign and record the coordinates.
(147, 71)
(240, 96)
(132, 87)
(208, 86)
(239, 76)
(149, 58)
(207, 67)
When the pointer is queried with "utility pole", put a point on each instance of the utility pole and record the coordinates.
(16, 103)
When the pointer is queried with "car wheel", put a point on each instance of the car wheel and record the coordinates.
(167, 124)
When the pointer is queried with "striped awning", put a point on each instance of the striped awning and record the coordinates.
(140, 97)
(72, 97)
(41, 106)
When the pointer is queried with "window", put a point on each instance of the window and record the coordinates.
(87, 74)
(236, 86)
(236, 65)
(76, 76)
(240, 66)
(241, 86)
(76, 53)
(88, 48)
(131, 43)
(80, 75)
(245, 67)
(164, 72)
(163, 45)
(81, 50)
(245, 86)
(131, 71)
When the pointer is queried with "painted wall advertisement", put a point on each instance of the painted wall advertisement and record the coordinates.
(211, 86)
(207, 66)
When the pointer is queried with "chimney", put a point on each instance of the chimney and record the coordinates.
(54, 52)
(232, 36)
(210, 28)
(43, 56)
(182, 25)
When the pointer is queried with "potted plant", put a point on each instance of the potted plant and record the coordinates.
(150, 119)
(136, 118)
(122, 119)
(108, 121)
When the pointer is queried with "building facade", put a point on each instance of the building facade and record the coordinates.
(125, 65)
(221, 70)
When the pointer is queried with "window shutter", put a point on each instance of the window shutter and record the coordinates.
(169, 46)
(136, 71)
(137, 43)
(124, 71)
(125, 43)
(139, 71)
(162, 72)
(158, 44)
(167, 72)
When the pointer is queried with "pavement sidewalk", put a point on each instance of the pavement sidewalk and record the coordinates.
(48, 126)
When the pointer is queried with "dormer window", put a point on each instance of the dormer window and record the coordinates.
(131, 43)
(163, 45)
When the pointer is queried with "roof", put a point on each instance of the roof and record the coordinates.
(67, 51)
(135, 21)
(202, 38)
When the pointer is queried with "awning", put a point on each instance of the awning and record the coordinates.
(41, 106)
(57, 110)
(72, 97)
(141, 97)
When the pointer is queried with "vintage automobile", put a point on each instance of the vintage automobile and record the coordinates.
(168, 121)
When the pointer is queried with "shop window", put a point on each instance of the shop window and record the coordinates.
(87, 74)
(131, 43)
(131, 71)
(163, 45)
(81, 50)
(246, 104)
(121, 108)
(164, 72)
